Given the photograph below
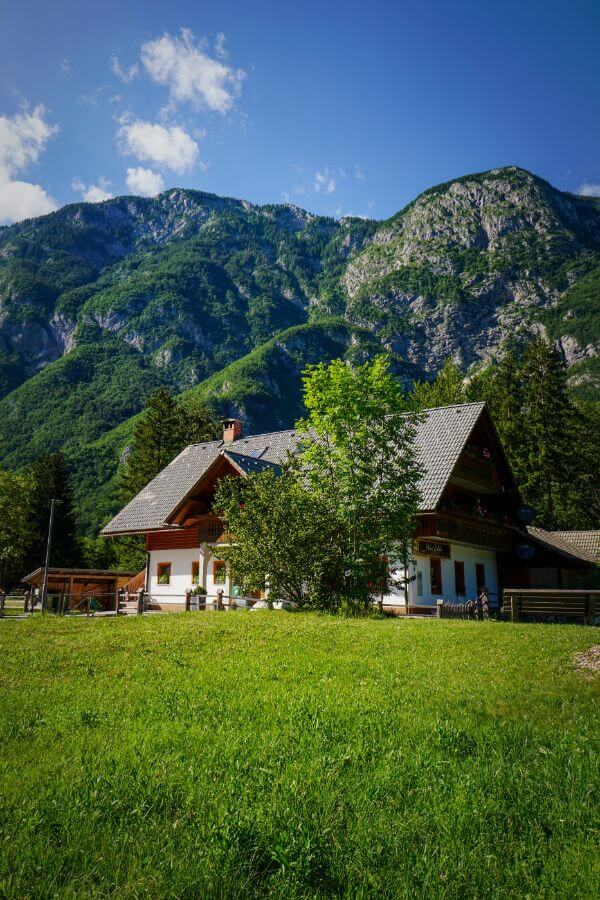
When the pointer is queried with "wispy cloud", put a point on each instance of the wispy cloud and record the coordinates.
(171, 147)
(220, 49)
(589, 189)
(23, 138)
(124, 73)
(324, 182)
(191, 75)
(65, 66)
(93, 193)
(358, 173)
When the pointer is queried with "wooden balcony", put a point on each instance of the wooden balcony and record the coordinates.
(467, 530)
(211, 529)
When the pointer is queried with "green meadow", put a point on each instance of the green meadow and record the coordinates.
(294, 755)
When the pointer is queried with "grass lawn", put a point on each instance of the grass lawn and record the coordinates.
(288, 755)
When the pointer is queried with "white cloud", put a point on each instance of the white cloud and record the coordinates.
(144, 182)
(190, 74)
(21, 200)
(65, 66)
(324, 182)
(590, 190)
(126, 74)
(170, 147)
(93, 193)
(358, 173)
(23, 138)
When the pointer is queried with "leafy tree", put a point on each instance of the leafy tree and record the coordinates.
(17, 532)
(51, 479)
(322, 531)
(359, 463)
(448, 387)
(280, 534)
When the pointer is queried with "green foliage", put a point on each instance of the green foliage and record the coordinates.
(552, 442)
(17, 534)
(447, 388)
(358, 460)
(280, 531)
(576, 313)
(320, 531)
(164, 429)
(268, 755)
(51, 479)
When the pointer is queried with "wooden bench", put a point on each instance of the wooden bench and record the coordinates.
(541, 603)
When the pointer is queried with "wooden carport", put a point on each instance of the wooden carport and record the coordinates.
(68, 588)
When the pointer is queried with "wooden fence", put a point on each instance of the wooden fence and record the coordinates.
(542, 604)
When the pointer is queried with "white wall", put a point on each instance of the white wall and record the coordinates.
(458, 552)
(181, 574)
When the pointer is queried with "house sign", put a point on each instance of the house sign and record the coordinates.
(428, 547)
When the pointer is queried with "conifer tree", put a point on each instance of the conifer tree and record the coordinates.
(51, 480)
(161, 432)
(157, 439)
(447, 388)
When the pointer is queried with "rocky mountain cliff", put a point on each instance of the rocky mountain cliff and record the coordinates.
(99, 303)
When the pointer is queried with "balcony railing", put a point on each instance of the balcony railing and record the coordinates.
(466, 530)
(211, 529)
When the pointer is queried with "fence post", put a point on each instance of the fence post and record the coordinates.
(590, 609)
(440, 609)
(188, 600)
(117, 601)
(140, 601)
(514, 607)
(2, 602)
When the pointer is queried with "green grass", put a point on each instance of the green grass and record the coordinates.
(268, 754)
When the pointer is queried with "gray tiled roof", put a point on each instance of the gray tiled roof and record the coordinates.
(585, 540)
(150, 508)
(564, 546)
(440, 439)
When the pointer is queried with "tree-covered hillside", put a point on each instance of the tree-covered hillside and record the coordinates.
(101, 303)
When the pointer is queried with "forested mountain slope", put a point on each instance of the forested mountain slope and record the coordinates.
(100, 303)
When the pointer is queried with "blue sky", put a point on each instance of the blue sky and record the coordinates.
(340, 107)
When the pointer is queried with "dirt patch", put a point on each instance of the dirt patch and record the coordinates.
(589, 661)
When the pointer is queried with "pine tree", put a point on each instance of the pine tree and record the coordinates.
(162, 431)
(157, 439)
(51, 480)
(447, 388)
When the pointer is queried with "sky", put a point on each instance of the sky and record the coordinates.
(343, 108)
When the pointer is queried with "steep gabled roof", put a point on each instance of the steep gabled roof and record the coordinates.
(150, 509)
(440, 439)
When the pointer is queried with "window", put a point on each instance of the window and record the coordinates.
(419, 583)
(459, 579)
(195, 572)
(480, 576)
(219, 571)
(435, 566)
(164, 573)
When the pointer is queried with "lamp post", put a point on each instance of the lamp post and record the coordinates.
(48, 546)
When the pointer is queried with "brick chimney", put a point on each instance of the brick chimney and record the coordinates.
(232, 430)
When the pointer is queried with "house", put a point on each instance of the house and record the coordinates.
(469, 533)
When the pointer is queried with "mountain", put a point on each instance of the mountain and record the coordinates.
(211, 296)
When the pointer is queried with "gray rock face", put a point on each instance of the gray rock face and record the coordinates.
(493, 251)
(456, 273)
